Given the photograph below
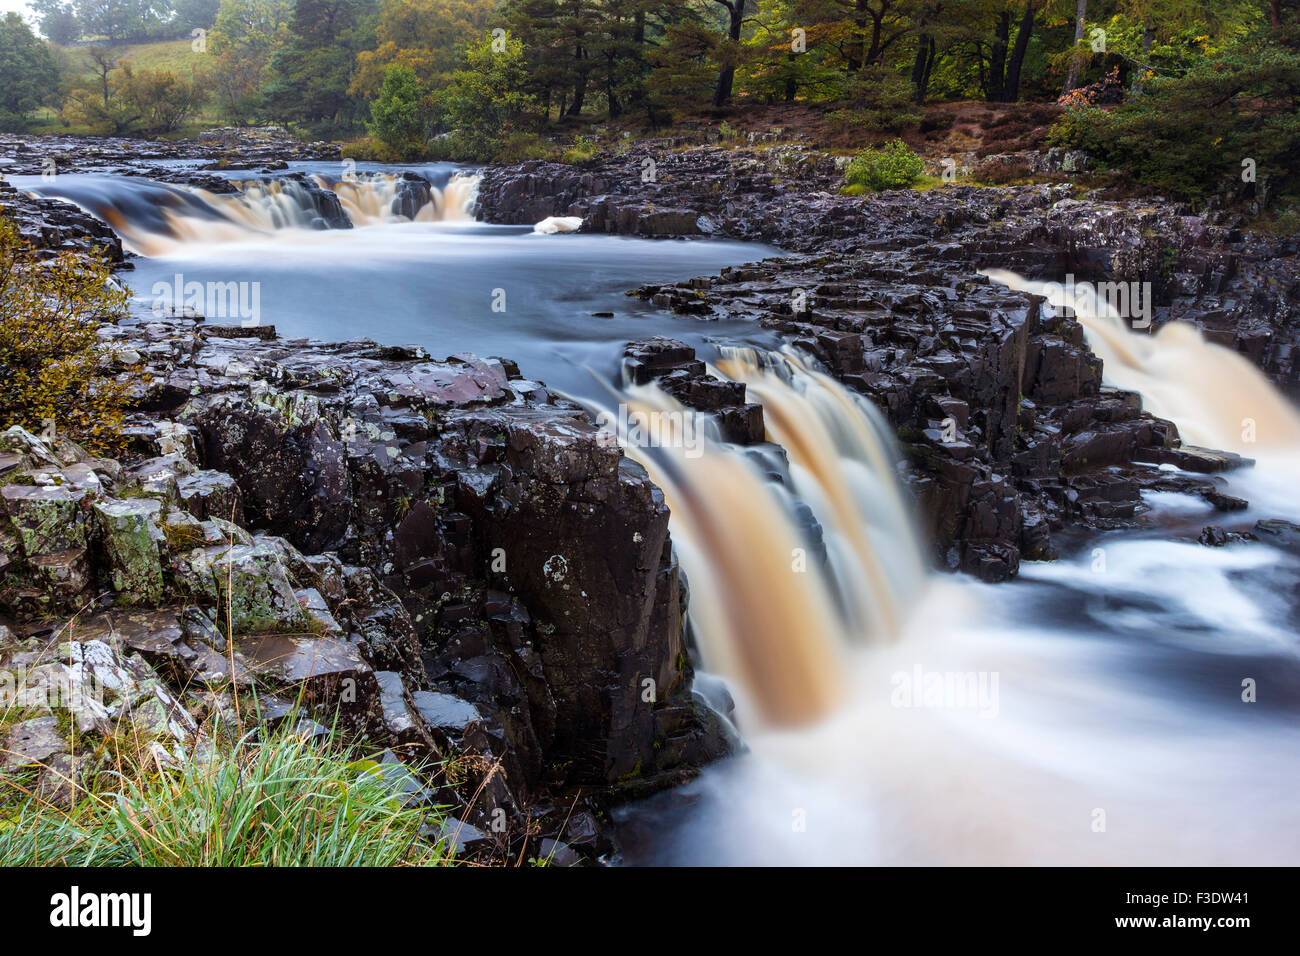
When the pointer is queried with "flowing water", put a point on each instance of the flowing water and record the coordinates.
(1094, 711)
(1091, 711)
(556, 304)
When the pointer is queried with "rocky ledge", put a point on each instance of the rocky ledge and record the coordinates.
(409, 548)
(999, 404)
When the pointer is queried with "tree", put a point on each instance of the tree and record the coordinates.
(120, 21)
(145, 101)
(426, 35)
(1011, 86)
(28, 75)
(244, 36)
(1076, 57)
(58, 20)
(311, 72)
(727, 74)
(1233, 112)
(162, 100)
(489, 100)
(188, 15)
(399, 114)
(103, 61)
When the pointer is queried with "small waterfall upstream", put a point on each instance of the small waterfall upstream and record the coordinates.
(157, 219)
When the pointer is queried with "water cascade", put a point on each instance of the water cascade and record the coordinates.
(157, 219)
(1216, 396)
(778, 600)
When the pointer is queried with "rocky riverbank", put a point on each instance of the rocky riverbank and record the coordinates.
(411, 546)
(1010, 435)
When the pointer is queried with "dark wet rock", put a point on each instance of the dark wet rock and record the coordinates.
(264, 332)
(404, 721)
(555, 853)
(431, 540)
(461, 839)
(211, 494)
(331, 676)
(673, 366)
(443, 712)
(1279, 533)
(1215, 537)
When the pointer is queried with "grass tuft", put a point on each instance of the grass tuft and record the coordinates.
(283, 800)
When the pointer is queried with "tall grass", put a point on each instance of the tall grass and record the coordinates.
(283, 800)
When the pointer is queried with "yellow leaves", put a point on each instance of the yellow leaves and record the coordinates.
(50, 349)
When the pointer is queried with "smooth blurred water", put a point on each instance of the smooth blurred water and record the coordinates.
(435, 285)
(1118, 705)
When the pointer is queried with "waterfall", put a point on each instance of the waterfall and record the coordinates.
(1076, 704)
(155, 219)
(794, 553)
(1216, 397)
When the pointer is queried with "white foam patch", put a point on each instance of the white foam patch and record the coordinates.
(553, 224)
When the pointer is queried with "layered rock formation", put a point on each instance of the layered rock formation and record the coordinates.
(1009, 434)
(442, 557)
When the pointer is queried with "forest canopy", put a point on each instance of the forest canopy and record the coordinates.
(484, 79)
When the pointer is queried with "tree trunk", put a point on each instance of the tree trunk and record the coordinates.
(998, 58)
(610, 95)
(1011, 89)
(579, 85)
(875, 53)
(722, 94)
(791, 86)
(918, 62)
(1148, 41)
(922, 66)
(1076, 61)
(856, 53)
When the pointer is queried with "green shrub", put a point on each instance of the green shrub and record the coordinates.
(153, 102)
(876, 99)
(51, 357)
(892, 166)
(367, 149)
(583, 150)
(520, 147)
(397, 127)
(1190, 135)
(488, 106)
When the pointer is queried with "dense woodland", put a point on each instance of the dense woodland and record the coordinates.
(500, 79)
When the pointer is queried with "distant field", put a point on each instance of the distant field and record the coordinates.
(174, 55)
